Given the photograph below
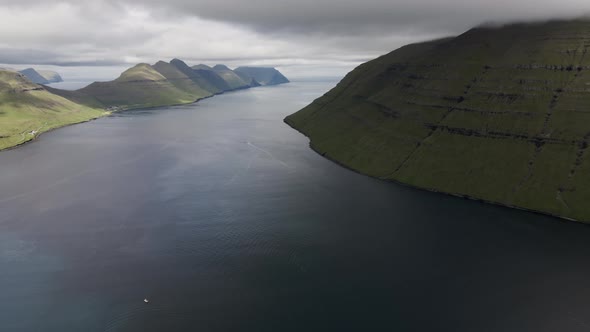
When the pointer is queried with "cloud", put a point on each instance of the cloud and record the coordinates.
(285, 33)
(345, 18)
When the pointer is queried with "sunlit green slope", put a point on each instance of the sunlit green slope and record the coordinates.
(141, 86)
(27, 110)
(499, 114)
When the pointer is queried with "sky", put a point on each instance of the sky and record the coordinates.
(300, 37)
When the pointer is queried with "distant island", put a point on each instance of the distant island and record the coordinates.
(41, 76)
(29, 108)
(498, 114)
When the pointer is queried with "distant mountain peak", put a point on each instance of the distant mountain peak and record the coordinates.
(202, 66)
(221, 67)
(262, 75)
(176, 62)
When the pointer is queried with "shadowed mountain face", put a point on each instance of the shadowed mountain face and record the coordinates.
(34, 76)
(500, 114)
(160, 84)
(264, 76)
(28, 109)
(197, 77)
(41, 76)
(231, 77)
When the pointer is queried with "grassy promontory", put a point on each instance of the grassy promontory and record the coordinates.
(499, 114)
(28, 109)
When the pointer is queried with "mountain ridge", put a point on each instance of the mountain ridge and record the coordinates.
(161, 84)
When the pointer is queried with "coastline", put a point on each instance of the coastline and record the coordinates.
(37, 135)
(108, 113)
(466, 197)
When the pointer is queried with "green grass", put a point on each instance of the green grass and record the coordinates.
(142, 86)
(500, 114)
(27, 110)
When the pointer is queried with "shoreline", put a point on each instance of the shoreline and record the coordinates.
(108, 113)
(39, 134)
(465, 197)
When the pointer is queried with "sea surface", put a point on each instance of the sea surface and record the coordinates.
(221, 217)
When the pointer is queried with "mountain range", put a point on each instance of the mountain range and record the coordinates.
(28, 108)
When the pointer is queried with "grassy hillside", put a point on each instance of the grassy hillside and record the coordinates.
(234, 81)
(27, 110)
(500, 114)
(140, 86)
(180, 80)
(197, 77)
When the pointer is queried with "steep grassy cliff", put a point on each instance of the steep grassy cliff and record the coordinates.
(499, 114)
(28, 109)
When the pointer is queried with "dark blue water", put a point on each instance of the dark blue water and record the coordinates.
(225, 220)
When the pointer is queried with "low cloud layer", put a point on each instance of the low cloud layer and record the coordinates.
(292, 35)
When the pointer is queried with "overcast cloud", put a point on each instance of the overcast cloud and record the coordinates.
(300, 37)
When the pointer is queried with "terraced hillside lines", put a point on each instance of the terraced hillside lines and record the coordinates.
(498, 114)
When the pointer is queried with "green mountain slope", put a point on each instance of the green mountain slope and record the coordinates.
(499, 114)
(27, 109)
(196, 76)
(140, 86)
(234, 81)
(162, 84)
(264, 76)
(181, 80)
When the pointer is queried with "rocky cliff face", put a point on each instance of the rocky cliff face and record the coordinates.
(499, 114)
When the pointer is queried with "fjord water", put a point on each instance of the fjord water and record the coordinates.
(224, 219)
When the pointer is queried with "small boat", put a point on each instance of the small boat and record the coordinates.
(146, 300)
